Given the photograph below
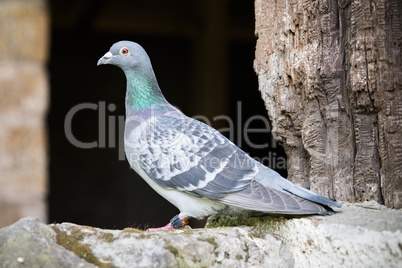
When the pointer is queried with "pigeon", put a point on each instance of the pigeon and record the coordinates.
(191, 164)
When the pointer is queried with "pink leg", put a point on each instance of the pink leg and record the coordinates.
(169, 226)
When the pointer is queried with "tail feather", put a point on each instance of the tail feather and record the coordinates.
(309, 195)
(270, 178)
(258, 197)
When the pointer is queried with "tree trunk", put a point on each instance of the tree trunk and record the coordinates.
(330, 73)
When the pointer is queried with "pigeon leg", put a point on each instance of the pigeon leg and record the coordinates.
(176, 222)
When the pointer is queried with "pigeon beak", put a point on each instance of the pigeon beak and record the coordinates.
(105, 59)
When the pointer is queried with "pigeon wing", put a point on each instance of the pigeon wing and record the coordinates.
(190, 156)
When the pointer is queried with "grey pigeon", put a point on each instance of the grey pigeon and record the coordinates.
(191, 164)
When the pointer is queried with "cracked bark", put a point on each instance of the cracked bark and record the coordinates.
(330, 73)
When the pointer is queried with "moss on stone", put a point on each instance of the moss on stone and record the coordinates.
(266, 222)
(267, 225)
(187, 231)
(107, 237)
(261, 224)
(210, 240)
(132, 230)
(173, 250)
(89, 228)
(72, 243)
(246, 250)
(128, 231)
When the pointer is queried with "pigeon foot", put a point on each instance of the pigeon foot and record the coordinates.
(177, 222)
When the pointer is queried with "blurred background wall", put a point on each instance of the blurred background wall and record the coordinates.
(24, 40)
(202, 53)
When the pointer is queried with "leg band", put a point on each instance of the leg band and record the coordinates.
(176, 222)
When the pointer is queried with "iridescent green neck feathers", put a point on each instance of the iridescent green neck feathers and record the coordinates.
(143, 92)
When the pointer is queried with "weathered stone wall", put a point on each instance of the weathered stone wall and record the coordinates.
(23, 102)
(330, 74)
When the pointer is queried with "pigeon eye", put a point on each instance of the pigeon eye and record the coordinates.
(124, 51)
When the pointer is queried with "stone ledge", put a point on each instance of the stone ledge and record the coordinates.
(360, 235)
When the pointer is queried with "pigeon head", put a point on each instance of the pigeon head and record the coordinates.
(143, 92)
(126, 55)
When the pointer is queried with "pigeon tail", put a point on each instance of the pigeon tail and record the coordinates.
(257, 197)
(270, 178)
(309, 195)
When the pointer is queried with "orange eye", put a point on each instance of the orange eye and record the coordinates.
(124, 51)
